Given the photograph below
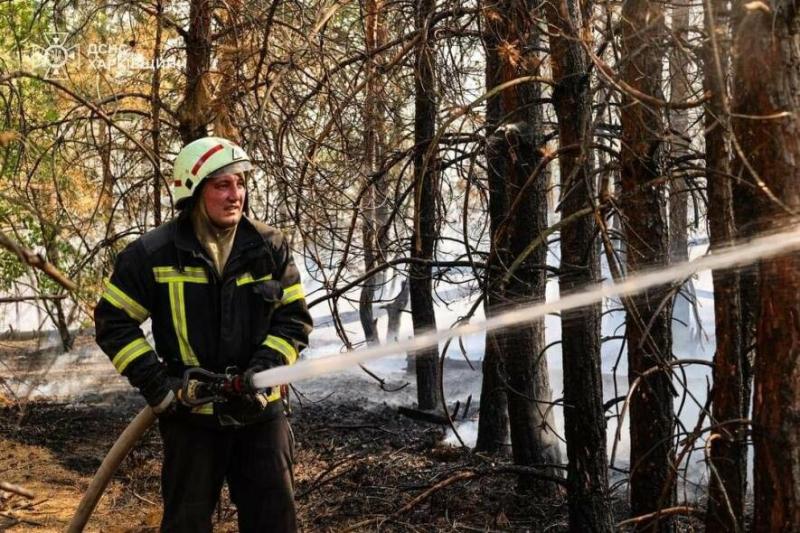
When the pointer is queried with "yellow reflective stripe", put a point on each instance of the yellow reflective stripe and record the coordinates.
(244, 279)
(129, 353)
(205, 409)
(292, 293)
(116, 297)
(178, 306)
(280, 345)
(168, 274)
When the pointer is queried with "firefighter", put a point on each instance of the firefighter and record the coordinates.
(223, 294)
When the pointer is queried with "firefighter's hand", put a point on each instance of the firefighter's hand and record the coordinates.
(247, 380)
(169, 404)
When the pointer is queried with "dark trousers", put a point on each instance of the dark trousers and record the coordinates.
(256, 461)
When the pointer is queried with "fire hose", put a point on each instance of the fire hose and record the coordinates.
(199, 387)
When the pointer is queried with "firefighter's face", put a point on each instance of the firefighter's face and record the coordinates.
(224, 199)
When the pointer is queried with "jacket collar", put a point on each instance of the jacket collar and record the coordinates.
(247, 238)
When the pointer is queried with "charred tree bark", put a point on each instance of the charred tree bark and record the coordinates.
(493, 431)
(155, 113)
(373, 254)
(767, 82)
(584, 419)
(514, 149)
(648, 318)
(194, 113)
(728, 445)
(745, 215)
(426, 176)
(680, 91)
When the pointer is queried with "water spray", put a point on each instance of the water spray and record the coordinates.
(734, 256)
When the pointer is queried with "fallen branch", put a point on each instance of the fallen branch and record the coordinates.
(423, 416)
(669, 511)
(18, 519)
(145, 500)
(321, 479)
(437, 487)
(16, 489)
(354, 427)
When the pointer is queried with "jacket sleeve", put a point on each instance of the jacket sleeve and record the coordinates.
(290, 323)
(123, 306)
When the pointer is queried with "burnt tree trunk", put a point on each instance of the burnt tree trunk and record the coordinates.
(194, 112)
(767, 82)
(648, 317)
(370, 224)
(493, 432)
(584, 419)
(680, 147)
(745, 215)
(728, 453)
(155, 113)
(425, 191)
(514, 149)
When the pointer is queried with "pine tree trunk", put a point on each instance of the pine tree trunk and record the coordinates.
(767, 83)
(155, 113)
(513, 151)
(370, 224)
(728, 453)
(680, 148)
(194, 110)
(648, 324)
(584, 420)
(425, 191)
(493, 431)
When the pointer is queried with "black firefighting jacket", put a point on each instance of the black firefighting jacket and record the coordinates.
(254, 315)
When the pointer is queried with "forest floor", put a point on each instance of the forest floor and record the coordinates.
(360, 465)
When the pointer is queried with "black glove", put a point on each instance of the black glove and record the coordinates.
(168, 404)
(249, 388)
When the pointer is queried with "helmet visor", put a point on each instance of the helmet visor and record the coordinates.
(238, 167)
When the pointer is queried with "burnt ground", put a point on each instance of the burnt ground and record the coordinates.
(360, 465)
(355, 467)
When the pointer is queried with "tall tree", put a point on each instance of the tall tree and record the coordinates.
(372, 199)
(648, 327)
(728, 445)
(426, 176)
(766, 102)
(680, 152)
(513, 152)
(584, 420)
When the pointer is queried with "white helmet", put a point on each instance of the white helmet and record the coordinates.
(203, 159)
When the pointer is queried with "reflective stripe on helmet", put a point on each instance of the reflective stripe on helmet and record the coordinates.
(203, 158)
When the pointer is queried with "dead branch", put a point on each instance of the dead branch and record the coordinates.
(18, 519)
(37, 261)
(669, 511)
(423, 416)
(16, 489)
(321, 479)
